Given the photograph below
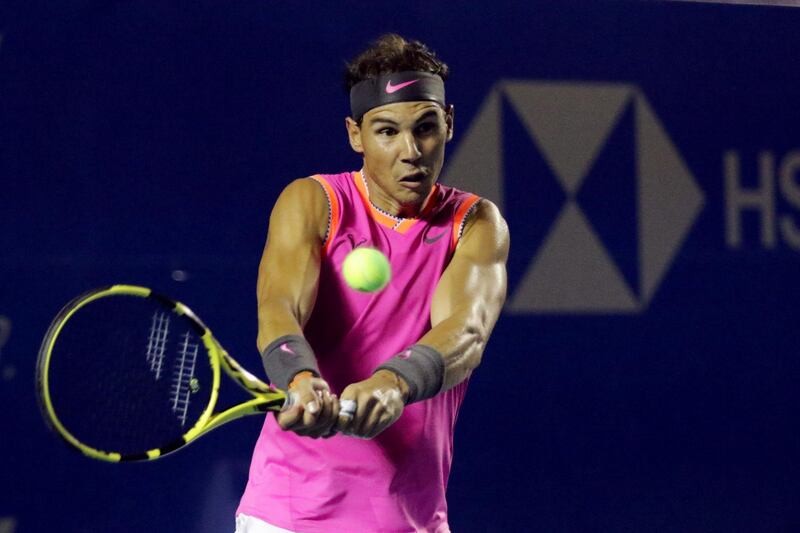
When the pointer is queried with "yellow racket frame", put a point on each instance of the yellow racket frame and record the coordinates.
(266, 398)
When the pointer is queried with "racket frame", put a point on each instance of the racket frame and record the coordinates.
(266, 398)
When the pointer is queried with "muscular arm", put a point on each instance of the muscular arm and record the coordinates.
(465, 307)
(288, 274)
(470, 294)
(288, 277)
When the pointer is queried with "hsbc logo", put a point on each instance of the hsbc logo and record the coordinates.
(571, 269)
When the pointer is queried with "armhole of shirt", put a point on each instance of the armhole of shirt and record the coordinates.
(460, 219)
(333, 211)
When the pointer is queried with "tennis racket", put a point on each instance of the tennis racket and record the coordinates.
(125, 374)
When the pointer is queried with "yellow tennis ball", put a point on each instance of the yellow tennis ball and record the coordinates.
(366, 270)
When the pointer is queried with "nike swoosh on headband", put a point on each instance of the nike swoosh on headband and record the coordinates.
(394, 88)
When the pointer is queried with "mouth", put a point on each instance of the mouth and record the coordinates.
(413, 179)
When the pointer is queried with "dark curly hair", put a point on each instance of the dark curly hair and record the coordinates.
(392, 53)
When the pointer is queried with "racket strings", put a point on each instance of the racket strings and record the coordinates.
(142, 381)
(183, 377)
(157, 342)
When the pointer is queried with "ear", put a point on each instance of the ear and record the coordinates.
(449, 117)
(354, 135)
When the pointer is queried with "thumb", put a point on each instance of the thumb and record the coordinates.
(291, 412)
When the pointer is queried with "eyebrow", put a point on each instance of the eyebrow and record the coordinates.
(391, 122)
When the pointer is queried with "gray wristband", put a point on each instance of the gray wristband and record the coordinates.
(285, 357)
(422, 368)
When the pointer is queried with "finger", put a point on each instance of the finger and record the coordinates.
(372, 424)
(288, 419)
(291, 413)
(316, 415)
(344, 419)
(311, 409)
(301, 399)
(334, 421)
(308, 404)
(336, 406)
(388, 406)
(327, 407)
(385, 420)
(325, 419)
(365, 416)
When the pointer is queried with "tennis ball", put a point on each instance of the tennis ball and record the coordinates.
(366, 270)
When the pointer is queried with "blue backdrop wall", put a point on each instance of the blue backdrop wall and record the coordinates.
(644, 374)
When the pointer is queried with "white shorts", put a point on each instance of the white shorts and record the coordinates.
(250, 524)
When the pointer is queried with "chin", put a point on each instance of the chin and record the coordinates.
(421, 192)
(415, 199)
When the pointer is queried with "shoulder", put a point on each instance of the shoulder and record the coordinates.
(320, 189)
(302, 189)
(485, 211)
(304, 202)
(486, 228)
(306, 194)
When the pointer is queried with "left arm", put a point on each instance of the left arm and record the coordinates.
(470, 295)
(465, 307)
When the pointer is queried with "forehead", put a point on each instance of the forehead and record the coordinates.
(403, 111)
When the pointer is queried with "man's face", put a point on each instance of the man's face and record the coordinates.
(403, 147)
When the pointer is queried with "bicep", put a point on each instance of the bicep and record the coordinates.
(475, 280)
(289, 269)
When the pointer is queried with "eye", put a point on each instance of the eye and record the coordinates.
(387, 131)
(427, 128)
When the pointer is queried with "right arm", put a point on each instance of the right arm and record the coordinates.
(288, 274)
(288, 277)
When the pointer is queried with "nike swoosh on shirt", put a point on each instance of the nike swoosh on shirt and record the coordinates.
(393, 88)
(433, 239)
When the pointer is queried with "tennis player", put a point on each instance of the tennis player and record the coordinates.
(379, 377)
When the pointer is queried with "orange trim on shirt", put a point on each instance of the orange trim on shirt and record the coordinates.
(333, 205)
(385, 220)
(379, 217)
(428, 205)
(458, 219)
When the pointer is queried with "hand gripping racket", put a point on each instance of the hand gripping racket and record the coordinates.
(125, 374)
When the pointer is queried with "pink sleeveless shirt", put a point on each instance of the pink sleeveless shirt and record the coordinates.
(397, 481)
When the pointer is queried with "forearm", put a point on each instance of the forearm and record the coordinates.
(443, 357)
(276, 319)
(282, 314)
(288, 274)
(285, 353)
(460, 339)
(464, 309)
(286, 300)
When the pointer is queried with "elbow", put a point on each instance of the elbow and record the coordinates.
(479, 336)
(475, 362)
(479, 331)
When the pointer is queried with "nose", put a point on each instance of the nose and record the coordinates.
(410, 148)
